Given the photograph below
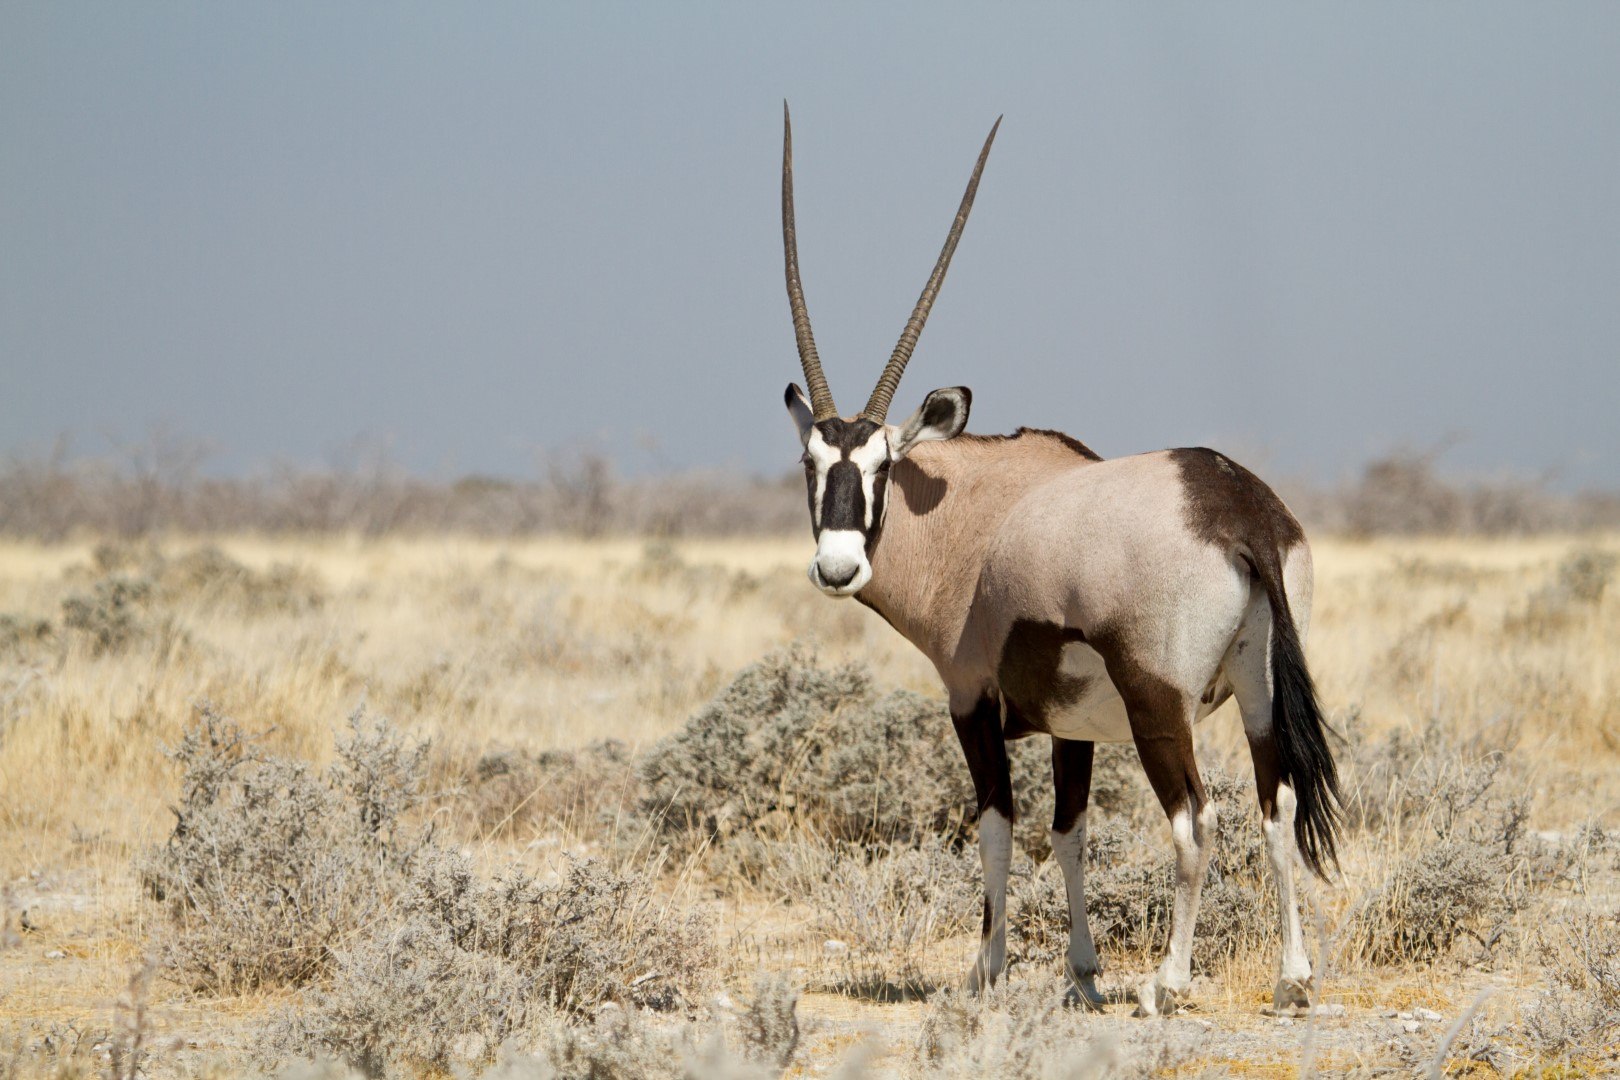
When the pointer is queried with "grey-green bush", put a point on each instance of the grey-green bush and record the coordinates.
(468, 964)
(270, 865)
(818, 744)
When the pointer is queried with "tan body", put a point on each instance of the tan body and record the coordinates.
(1097, 601)
(981, 533)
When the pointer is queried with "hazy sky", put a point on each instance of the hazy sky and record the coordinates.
(1304, 233)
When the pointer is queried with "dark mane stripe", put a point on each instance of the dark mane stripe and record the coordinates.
(1067, 441)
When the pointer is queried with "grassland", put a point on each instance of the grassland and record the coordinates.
(1477, 683)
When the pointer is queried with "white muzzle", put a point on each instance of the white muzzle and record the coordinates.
(840, 567)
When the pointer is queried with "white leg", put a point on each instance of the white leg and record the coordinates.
(1194, 836)
(1249, 668)
(1081, 965)
(995, 852)
(1294, 969)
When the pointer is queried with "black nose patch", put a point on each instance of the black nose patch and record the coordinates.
(843, 504)
(839, 581)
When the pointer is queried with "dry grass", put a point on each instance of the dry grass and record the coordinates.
(1475, 680)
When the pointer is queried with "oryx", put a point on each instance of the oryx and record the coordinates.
(1089, 600)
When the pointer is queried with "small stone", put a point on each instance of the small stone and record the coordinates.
(1285, 1021)
(1403, 1016)
(1411, 1027)
(1386, 1014)
(56, 954)
(1330, 1012)
(1428, 1015)
(834, 947)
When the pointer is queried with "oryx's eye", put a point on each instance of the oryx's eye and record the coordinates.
(804, 459)
(883, 466)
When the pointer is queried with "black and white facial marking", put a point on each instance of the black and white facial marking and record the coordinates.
(846, 473)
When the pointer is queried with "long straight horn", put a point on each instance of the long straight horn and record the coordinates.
(877, 408)
(821, 402)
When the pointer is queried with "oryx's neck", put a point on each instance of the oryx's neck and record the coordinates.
(946, 502)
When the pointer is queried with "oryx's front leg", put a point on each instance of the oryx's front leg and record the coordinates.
(1071, 781)
(979, 729)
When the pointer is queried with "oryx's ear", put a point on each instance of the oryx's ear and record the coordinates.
(943, 415)
(799, 408)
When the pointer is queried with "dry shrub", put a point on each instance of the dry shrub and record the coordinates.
(623, 1043)
(1130, 889)
(112, 616)
(270, 865)
(278, 875)
(1476, 864)
(20, 634)
(1574, 593)
(1405, 494)
(1118, 784)
(585, 792)
(1428, 901)
(884, 903)
(210, 578)
(1578, 1014)
(616, 1043)
(1020, 1030)
(818, 745)
(213, 579)
(128, 588)
(1402, 494)
(1432, 777)
(467, 964)
(768, 1028)
(124, 1050)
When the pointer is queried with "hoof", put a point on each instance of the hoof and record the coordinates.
(1156, 999)
(978, 980)
(1292, 995)
(1082, 994)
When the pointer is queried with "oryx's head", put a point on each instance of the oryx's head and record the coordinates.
(847, 459)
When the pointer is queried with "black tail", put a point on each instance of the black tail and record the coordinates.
(1299, 732)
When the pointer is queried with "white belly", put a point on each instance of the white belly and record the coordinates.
(1098, 715)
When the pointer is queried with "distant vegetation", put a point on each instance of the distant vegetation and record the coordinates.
(159, 487)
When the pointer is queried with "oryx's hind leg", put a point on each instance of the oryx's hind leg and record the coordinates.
(979, 728)
(1249, 669)
(1161, 725)
(1071, 779)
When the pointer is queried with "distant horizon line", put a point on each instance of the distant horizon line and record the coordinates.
(170, 450)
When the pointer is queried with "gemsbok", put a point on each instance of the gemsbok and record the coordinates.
(1090, 600)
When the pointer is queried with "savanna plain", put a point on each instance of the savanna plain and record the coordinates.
(618, 807)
